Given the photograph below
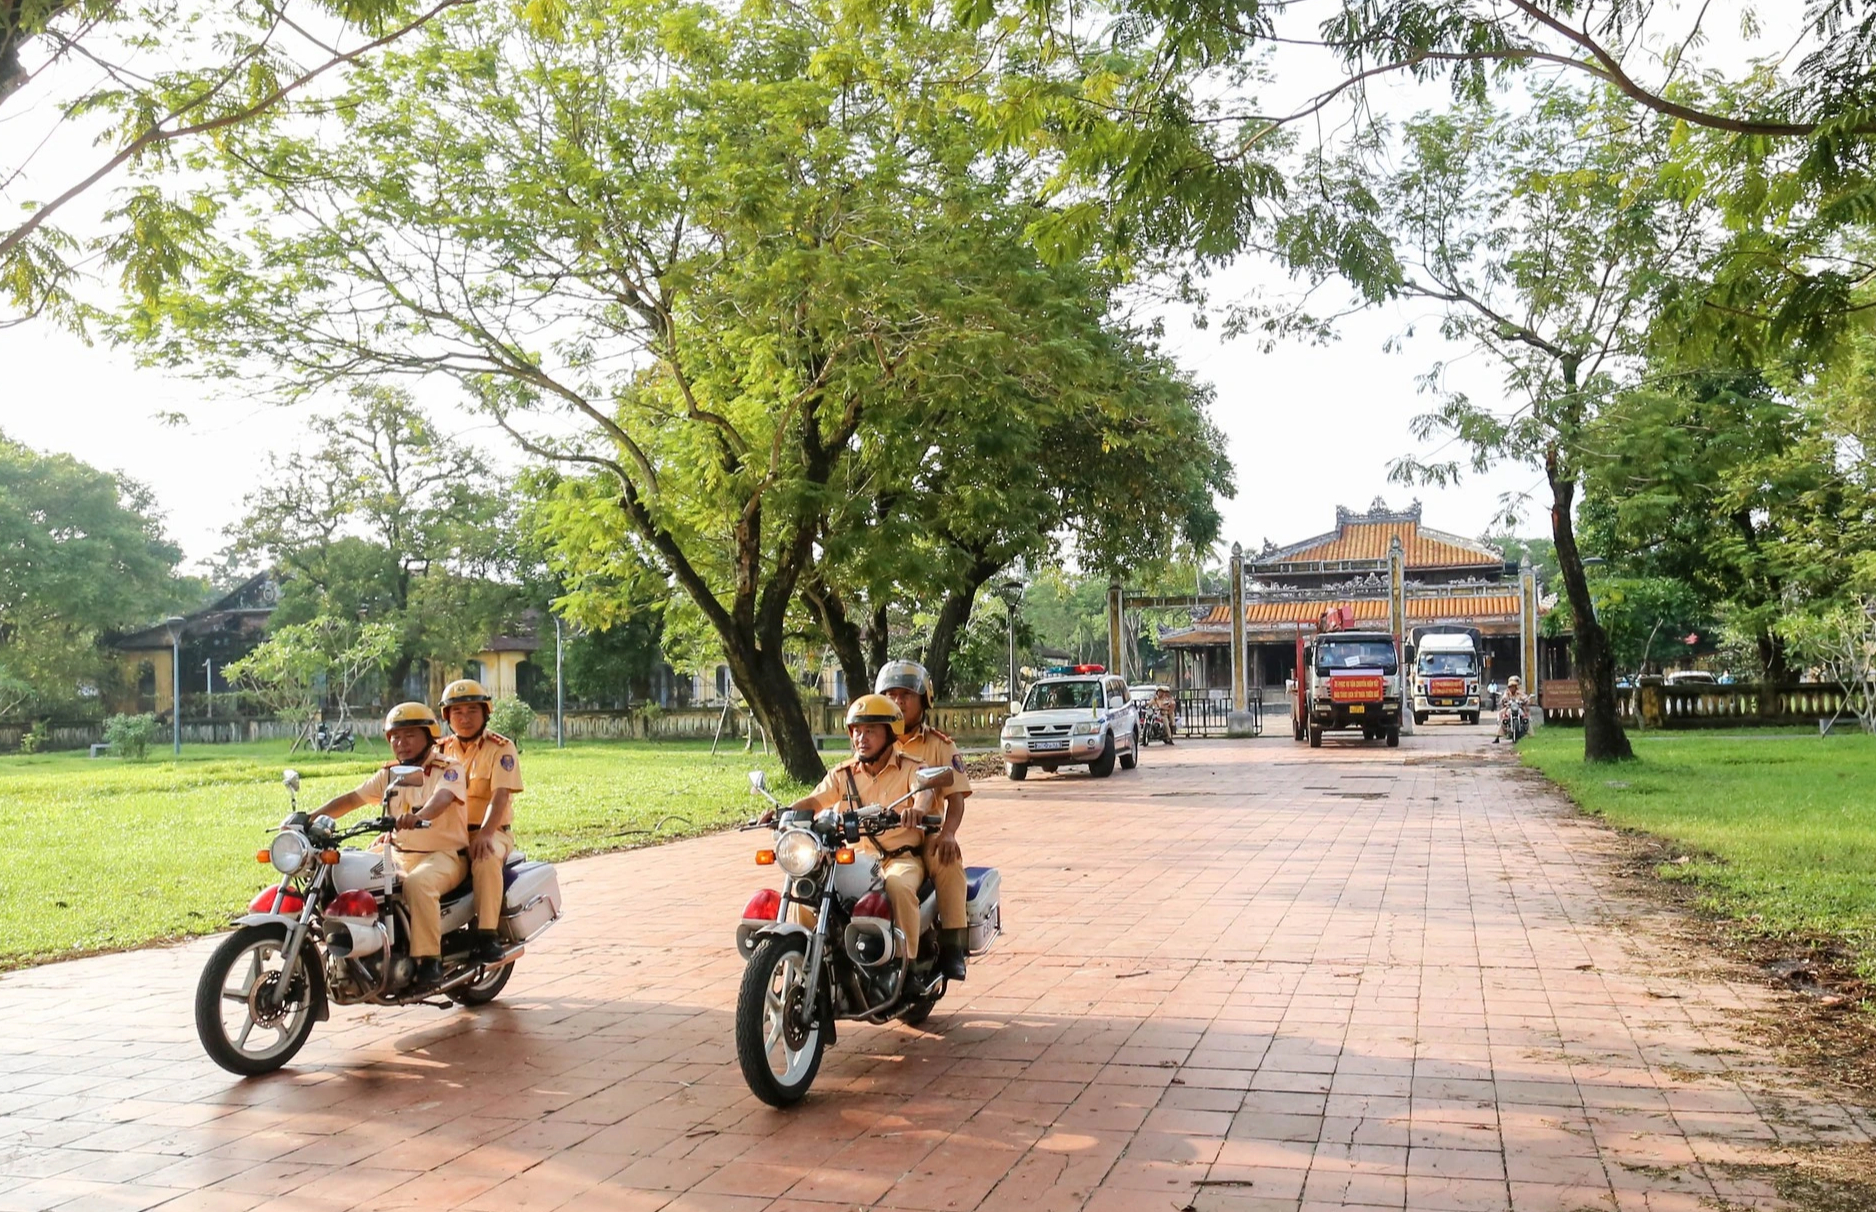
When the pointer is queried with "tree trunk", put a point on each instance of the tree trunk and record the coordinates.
(1603, 737)
(877, 636)
(394, 685)
(952, 618)
(774, 699)
(843, 634)
(1774, 662)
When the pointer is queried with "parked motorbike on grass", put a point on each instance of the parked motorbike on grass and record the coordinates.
(851, 963)
(327, 741)
(333, 930)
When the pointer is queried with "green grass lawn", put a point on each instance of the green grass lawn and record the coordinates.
(104, 854)
(1779, 827)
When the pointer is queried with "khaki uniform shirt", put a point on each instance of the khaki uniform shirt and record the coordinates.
(930, 747)
(893, 780)
(490, 763)
(450, 830)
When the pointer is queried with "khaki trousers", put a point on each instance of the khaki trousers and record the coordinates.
(948, 879)
(427, 876)
(486, 874)
(903, 875)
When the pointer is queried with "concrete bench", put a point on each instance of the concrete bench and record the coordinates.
(100, 748)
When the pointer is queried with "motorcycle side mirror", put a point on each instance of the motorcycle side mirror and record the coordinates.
(758, 781)
(403, 775)
(932, 776)
(291, 780)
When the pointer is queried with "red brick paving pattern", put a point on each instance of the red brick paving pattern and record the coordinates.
(1245, 978)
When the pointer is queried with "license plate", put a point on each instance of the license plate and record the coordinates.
(1356, 709)
(1046, 746)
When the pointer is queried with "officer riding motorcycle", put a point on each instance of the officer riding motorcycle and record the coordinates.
(491, 767)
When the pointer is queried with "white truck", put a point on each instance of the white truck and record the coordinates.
(1446, 674)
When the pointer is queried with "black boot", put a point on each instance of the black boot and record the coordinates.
(953, 947)
(488, 948)
(429, 970)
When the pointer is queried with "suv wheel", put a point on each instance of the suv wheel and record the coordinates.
(1016, 771)
(1103, 766)
(1131, 758)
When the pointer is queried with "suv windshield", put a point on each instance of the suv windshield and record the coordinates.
(1062, 696)
(1355, 654)
(1452, 664)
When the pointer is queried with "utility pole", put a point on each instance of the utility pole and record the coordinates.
(174, 624)
(560, 689)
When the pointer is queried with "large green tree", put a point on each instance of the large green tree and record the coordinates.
(724, 258)
(391, 521)
(82, 553)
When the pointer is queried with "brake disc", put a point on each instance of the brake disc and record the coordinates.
(795, 1019)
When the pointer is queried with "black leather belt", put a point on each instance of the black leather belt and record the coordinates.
(503, 828)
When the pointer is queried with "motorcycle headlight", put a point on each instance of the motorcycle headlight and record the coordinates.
(289, 852)
(797, 852)
(1090, 728)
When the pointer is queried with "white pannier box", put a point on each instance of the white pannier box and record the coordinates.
(984, 886)
(531, 902)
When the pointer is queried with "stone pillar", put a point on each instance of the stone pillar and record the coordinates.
(1239, 721)
(1397, 624)
(1114, 603)
(1527, 635)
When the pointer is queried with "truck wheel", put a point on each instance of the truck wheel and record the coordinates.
(1296, 729)
(1131, 758)
(1103, 766)
(1016, 772)
(1315, 736)
(1393, 737)
(1420, 717)
(1469, 717)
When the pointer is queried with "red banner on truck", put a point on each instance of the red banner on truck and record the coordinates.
(1356, 688)
(1446, 688)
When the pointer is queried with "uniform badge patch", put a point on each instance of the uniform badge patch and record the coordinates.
(508, 761)
(449, 776)
(957, 762)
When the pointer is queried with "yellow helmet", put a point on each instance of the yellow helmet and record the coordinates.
(412, 715)
(462, 690)
(876, 709)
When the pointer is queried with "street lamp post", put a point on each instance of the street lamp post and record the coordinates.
(1011, 591)
(174, 624)
(560, 691)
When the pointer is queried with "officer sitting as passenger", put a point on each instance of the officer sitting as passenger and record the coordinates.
(431, 859)
(909, 687)
(491, 767)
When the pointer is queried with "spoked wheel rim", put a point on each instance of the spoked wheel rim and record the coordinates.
(790, 1049)
(255, 1020)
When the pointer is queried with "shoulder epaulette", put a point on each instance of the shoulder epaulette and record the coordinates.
(941, 735)
(499, 739)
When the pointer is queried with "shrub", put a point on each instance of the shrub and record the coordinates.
(34, 739)
(130, 735)
(512, 718)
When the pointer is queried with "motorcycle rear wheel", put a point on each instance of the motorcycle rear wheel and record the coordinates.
(484, 991)
(253, 957)
(918, 1011)
(771, 984)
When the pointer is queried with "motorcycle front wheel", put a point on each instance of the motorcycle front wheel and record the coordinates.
(779, 1057)
(246, 1022)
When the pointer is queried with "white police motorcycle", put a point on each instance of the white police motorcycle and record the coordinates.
(851, 964)
(333, 930)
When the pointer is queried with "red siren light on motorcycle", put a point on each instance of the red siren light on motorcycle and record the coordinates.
(263, 901)
(765, 905)
(356, 903)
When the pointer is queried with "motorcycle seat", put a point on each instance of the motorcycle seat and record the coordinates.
(926, 888)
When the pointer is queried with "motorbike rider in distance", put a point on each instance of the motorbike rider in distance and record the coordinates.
(1514, 697)
(491, 766)
(431, 859)
(908, 685)
(879, 773)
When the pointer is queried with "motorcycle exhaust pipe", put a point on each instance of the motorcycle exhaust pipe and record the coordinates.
(354, 937)
(468, 974)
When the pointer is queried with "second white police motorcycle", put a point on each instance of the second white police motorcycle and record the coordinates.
(851, 962)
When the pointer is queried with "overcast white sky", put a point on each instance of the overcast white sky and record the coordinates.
(1309, 427)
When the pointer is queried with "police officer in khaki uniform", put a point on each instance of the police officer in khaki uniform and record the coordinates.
(878, 773)
(909, 687)
(492, 767)
(431, 859)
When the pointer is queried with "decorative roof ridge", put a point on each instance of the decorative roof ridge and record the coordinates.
(1378, 511)
(1459, 540)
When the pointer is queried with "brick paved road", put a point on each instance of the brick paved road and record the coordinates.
(1245, 977)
